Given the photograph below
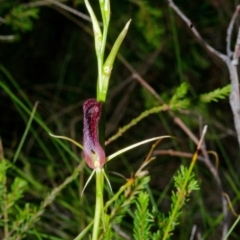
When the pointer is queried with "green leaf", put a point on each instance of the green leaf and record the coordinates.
(17, 189)
(179, 100)
(21, 19)
(96, 28)
(108, 65)
(215, 95)
(142, 218)
(149, 21)
(180, 93)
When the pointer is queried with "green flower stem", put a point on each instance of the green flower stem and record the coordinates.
(98, 39)
(108, 65)
(105, 11)
(107, 205)
(100, 78)
(99, 203)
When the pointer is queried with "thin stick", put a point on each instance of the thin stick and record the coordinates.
(229, 31)
(25, 132)
(38, 4)
(71, 10)
(195, 32)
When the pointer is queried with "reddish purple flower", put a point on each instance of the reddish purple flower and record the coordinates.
(93, 152)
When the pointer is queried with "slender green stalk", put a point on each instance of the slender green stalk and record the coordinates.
(98, 39)
(84, 232)
(25, 132)
(101, 93)
(108, 64)
(231, 229)
(99, 203)
(105, 11)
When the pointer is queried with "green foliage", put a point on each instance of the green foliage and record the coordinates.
(180, 197)
(142, 218)
(156, 235)
(79, 2)
(17, 189)
(148, 19)
(120, 205)
(108, 234)
(179, 179)
(199, 58)
(14, 214)
(145, 221)
(149, 100)
(179, 100)
(4, 165)
(216, 95)
(145, 225)
(21, 19)
(180, 93)
(22, 217)
(123, 203)
(120, 208)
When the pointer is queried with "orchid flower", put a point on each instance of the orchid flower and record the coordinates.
(93, 152)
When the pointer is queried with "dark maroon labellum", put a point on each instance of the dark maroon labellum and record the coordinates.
(93, 152)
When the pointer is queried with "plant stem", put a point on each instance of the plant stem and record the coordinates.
(99, 203)
(105, 12)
